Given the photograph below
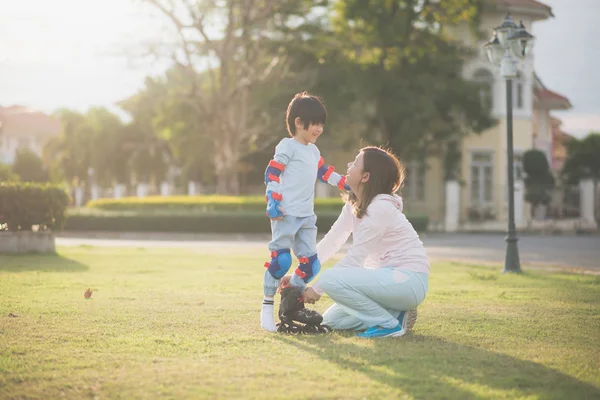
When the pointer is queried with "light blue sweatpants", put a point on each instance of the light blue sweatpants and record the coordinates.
(298, 234)
(371, 297)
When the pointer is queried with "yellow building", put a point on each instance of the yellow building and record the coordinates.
(483, 199)
(483, 193)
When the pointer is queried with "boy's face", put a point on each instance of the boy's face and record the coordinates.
(310, 135)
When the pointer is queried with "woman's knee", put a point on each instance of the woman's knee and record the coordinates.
(328, 279)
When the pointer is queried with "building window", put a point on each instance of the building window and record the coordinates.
(485, 79)
(481, 179)
(519, 95)
(519, 173)
(414, 181)
(518, 91)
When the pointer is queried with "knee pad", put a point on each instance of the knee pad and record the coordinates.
(308, 268)
(281, 261)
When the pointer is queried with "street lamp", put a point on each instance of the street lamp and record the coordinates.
(509, 44)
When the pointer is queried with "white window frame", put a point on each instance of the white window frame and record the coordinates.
(416, 171)
(481, 165)
(483, 76)
(519, 92)
(518, 171)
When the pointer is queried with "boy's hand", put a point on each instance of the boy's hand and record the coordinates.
(285, 281)
(274, 210)
(280, 209)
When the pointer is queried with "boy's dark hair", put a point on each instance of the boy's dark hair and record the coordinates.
(308, 108)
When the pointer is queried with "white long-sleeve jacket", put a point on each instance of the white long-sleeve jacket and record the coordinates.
(381, 238)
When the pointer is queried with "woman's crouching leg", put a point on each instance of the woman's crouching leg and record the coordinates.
(337, 318)
(346, 286)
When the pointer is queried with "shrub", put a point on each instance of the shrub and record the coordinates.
(7, 175)
(198, 214)
(194, 222)
(23, 205)
(539, 181)
(29, 166)
(209, 203)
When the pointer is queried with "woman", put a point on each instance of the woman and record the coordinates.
(379, 283)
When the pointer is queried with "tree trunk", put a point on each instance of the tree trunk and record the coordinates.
(225, 162)
(228, 182)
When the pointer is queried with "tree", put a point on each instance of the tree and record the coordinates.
(539, 181)
(71, 151)
(7, 175)
(407, 72)
(175, 135)
(583, 159)
(108, 156)
(29, 166)
(224, 48)
(92, 140)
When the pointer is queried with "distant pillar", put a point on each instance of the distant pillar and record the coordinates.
(451, 218)
(164, 189)
(142, 190)
(586, 201)
(519, 203)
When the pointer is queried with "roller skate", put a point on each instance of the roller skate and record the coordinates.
(292, 310)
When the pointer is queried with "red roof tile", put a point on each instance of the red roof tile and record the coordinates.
(23, 120)
(549, 96)
(532, 4)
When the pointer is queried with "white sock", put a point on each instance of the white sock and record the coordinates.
(267, 322)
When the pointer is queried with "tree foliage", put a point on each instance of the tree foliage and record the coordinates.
(7, 174)
(583, 159)
(408, 71)
(388, 71)
(539, 181)
(29, 167)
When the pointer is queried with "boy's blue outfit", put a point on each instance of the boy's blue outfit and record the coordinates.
(290, 178)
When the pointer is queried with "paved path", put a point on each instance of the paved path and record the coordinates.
(562, 251)
(555, 251)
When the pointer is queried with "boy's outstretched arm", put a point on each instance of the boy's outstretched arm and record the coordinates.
(272, 174)
(326, 174)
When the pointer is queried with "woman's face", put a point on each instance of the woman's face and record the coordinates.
(355, 175)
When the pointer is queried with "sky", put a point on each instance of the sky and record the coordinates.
(74, 53)
(567, 59)
(83, 53)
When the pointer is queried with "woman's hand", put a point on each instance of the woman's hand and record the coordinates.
(310, 296)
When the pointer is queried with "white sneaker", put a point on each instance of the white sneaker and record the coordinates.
(408, 320)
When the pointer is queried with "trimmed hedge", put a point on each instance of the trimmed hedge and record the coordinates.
(23, 205)
(208, 203)
(240, 222)
(195, 214)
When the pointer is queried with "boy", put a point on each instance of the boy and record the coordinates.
(290, 178)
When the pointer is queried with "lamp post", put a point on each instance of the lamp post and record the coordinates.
(508, 45)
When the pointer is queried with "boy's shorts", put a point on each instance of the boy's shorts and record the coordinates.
(296, 233)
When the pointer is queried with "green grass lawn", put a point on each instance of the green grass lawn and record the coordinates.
(174, 323)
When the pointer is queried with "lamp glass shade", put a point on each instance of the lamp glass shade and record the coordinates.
(494, 50)
(521, 42)
(506, 30)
